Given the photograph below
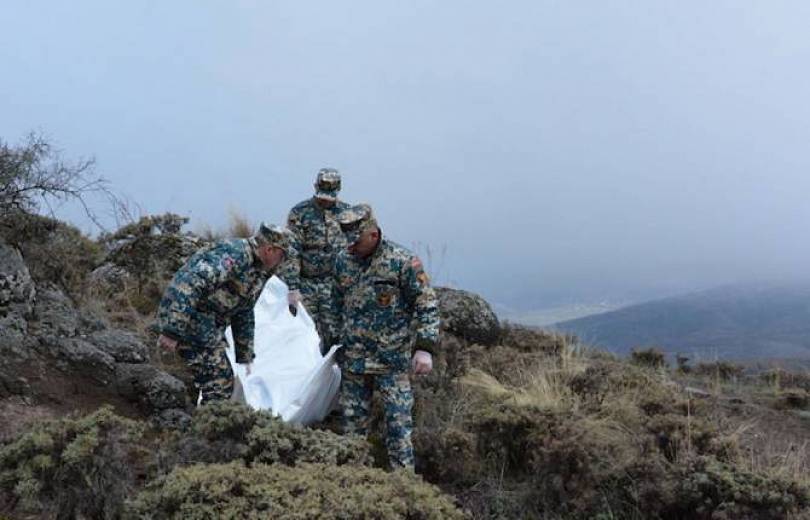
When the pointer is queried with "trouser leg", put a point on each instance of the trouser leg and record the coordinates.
(355, 403)
(395, 390)
(211, 370)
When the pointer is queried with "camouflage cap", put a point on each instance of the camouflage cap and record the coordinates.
(356, 219)
(327, 184)
(271, 234)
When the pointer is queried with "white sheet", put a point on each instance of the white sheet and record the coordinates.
(289, 375)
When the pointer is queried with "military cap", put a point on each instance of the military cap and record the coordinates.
(327, 184)
(356, 219)
(271, 234)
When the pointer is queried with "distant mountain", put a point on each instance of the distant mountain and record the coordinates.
(762, 321)
(549, 315)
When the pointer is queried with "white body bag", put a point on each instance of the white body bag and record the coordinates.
(289, 376)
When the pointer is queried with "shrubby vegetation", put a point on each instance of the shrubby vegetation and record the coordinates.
(73, 466)
(316, 491)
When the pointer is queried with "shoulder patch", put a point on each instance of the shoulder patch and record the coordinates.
(227, 263)
(423, 278)
(416, 263)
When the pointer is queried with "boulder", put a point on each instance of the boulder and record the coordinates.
(17, 291)
(76, 356)
(467, 315)
(123, 346)
(55, 314)
(153, 388)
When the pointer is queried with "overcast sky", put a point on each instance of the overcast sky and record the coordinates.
(554, 150)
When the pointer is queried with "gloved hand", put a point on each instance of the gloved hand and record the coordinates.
(422, 362)
(294, 298)
(166, 343)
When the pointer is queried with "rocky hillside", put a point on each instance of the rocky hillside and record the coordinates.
(513, 423)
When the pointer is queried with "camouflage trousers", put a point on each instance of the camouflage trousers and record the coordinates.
(319, 299)
(208, 370)
(355, 404)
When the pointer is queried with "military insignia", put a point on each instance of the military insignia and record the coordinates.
(423, 278)
(416, 263)
(227, 262)
(384, 299)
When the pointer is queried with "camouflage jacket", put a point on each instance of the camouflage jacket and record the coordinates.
(319, 239)
(217, 286)
(387, 309)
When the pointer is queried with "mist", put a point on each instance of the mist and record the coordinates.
(536, 152)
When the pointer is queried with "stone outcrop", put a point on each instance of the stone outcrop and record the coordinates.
(53, 352)
(468, 316)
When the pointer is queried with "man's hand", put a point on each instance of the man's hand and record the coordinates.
(166, 343)
(294, 297)
(422, 362)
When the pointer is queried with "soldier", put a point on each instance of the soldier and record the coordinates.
(218, 286)
(382, 290)
(310, 274)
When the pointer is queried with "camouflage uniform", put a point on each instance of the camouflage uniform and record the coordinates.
(218, 286)
(388, 310)
(318, 239)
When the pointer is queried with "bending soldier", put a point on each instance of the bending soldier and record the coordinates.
(218, 286)
(382, 290)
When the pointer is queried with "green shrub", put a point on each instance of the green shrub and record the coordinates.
(651, 357)
(723, 370)
(604, 380)
(305, 491)
(74, 465)
(281, 443)
(528, 339)
(222, 432)
(793, 399)
(712, 490)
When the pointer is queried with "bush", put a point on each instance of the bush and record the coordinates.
(225, 431)
(723, 370)
(712, 490)
(528, 339)
(306, 491)
(605, 379)
(73, 466)
(281, 443)
(793, 398)
(651, 357)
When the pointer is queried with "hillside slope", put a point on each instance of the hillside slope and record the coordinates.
(737, 322)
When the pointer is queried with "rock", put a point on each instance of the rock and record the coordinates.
(108, 278)
(80, 357)
(55, 314)
(468, 316)
(153, 388)
(172, 419)
(17, 291)
(123, 346)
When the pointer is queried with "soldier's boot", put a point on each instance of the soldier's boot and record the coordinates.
(397, 396)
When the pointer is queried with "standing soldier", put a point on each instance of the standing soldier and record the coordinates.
(389, 327)
(218, 286)
(319, 238)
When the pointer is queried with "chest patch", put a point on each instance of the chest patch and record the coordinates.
(227, 263)
(384, 299)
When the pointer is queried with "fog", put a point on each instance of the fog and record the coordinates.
(544, 151)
